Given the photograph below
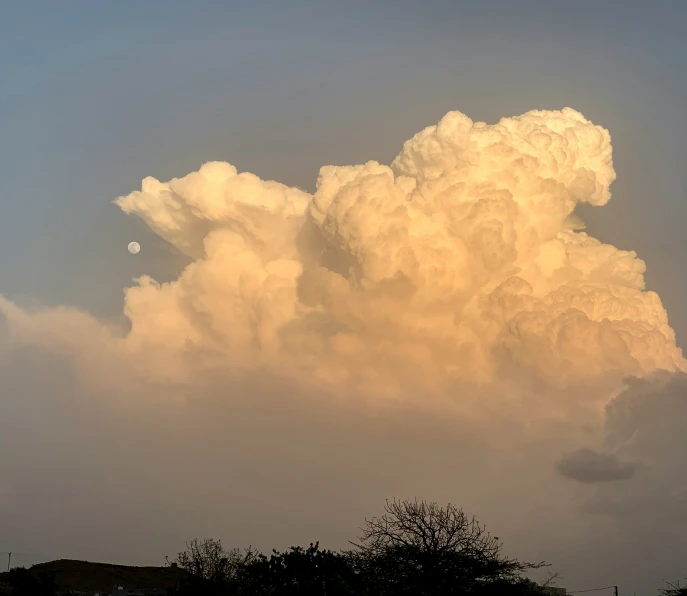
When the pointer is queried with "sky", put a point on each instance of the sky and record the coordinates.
(343, 336)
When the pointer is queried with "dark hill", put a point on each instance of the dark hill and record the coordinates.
(102, 577)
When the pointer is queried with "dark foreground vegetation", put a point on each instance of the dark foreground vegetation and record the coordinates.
(416, 549)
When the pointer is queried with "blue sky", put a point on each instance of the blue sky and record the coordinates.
(95, 96)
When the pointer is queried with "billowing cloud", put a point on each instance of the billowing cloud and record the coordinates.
(441, 327)
(462, 260)
(589, 466)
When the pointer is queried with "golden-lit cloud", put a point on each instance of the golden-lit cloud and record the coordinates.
(462, 260)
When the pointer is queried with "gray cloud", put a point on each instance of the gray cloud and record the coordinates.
(647, 422)
(589, 466)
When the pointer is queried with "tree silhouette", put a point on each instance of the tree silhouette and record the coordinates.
(213, 568)
(300, 571)
(28, 582)
(423, 549)
(674, 590)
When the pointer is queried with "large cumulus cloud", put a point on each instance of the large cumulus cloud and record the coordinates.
(461, 260)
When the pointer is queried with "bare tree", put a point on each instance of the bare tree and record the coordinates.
(422, 548)
(209, 560)
(429, 527)
(674, 590)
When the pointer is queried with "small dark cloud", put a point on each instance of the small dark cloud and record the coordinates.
(589, 466)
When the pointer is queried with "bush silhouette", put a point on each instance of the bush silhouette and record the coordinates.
(27, 582)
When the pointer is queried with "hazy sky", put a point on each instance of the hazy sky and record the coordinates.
(94, 97)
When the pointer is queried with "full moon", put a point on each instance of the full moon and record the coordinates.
(134, 247)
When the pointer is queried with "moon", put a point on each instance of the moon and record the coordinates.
(134, 247)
